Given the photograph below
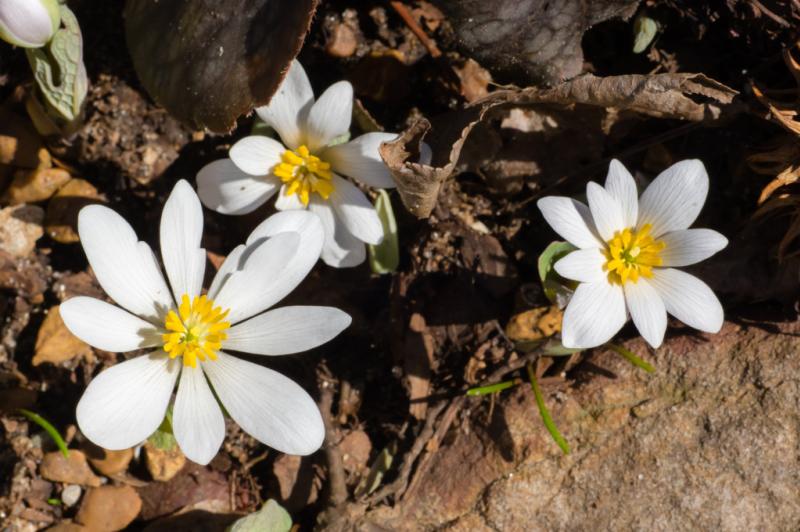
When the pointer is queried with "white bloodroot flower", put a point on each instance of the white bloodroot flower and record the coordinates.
(628, 249)
(190, 332)
(29, 23)
(307, 169)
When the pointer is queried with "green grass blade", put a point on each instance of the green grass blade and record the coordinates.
(546, 418)
(493, 388)
(48, 428)
(632, 358)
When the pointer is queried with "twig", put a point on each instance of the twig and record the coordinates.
(777, 18)
(338, 484)
(412, 24)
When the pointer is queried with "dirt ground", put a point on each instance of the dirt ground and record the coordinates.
(709, 440)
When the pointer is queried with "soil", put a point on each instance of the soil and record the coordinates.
(707, 441)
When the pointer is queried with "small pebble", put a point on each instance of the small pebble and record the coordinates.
(70, 494)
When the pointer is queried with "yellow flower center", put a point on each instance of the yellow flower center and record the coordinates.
(195, 331)
(304, 173)
(631, 253)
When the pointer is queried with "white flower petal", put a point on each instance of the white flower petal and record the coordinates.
(674, 199)
(107, 327)
(223, 187)
(584, 265)
(689, 299)
(287, 110)
(621, 185)
(647, 310)
(329, 116)
(231, 264)
(691, 246)
(267, 405)
(341, 249)
(606, 211)
(256, 155)
(27, 23)
(197, 420)
(361, 160)
(356, 212)
(270, 271)
(305, 223)
(287, 330)
(181, 232)
(571, 219)
(594, 315)
(126, 403)
(125, 268)
(288, 202)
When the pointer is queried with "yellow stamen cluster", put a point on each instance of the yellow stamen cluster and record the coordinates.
(195, 331)
(304, 173)
(631, 253)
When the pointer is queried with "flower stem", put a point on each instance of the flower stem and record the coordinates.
(546, 418)
(48, 428)
(631, 357)
(493, 388)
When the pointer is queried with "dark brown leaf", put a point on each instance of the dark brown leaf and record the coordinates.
(210, 62)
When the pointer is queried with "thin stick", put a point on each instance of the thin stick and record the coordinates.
(426, 41)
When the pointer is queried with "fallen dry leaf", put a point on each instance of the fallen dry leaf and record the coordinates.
(54, 342)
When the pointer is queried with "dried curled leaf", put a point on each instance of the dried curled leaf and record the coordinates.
(692, 97)
(209, 62)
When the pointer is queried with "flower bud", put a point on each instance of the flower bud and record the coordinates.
(29, 23)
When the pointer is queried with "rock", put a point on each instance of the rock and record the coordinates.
(72, 470)
(163, 464)
(61, 221)
(534, 324)
(30, 186)
(194, 484)
(19, 143)
(355, 448)
(109, 508)
(708, 442)
(68, 526)
(108, 462)
(20, 228)
(295, 481)
(55, 344)
(70, 494)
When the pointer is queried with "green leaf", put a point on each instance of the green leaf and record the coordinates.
(492, 388)
(163, 437)
(272, 517)
(380, 466)
(48, 428)
(385, 257)
(261, 128)
(631, 357)
(546, 418)
(60, 73)
(644, 31)
(554, 286)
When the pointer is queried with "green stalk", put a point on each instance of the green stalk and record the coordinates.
(632, 358)
(48, 428)
(546, 418)
(493, 388)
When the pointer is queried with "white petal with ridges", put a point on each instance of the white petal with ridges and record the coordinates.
(674, 199)
(571, 219)
(268, 406)
(256, 155)
(594, 315)
(288, 109)
(268, 275)
(606, 211)
(340, 249)
(329, 116)
(224, 188)
(124, 267)
(356, 212)
(361, 160)
(197, 420)
(106, 326)
(287, 330)
(231, 264)
(126, 403)
(689, 299)
(621, 185)
(647, 310)
(181, 231)
(583, 265)
(690, 246)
